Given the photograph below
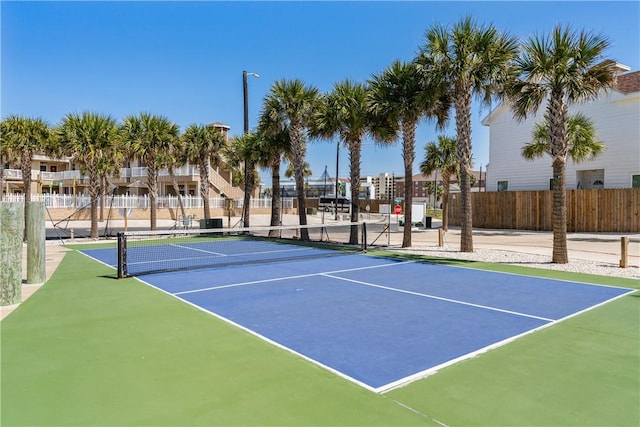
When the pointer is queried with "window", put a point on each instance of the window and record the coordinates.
(43, 167)
(503, 185)
(635, 181)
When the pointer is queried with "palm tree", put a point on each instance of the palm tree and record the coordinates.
(174, 158)
(441, 156)
(563, 68)
(148, 137)
(91, 139)
(203, 146)
(344, 112)
(245, 150)
(290, 105)
(469, 59)
(22, 137)
(291, 173)
(398, 98)
(274, 146)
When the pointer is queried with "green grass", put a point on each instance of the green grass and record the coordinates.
(90, 350)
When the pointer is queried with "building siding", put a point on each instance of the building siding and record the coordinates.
(616, 117)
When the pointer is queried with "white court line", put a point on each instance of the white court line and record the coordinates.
(198, 250)
(434, 369)
(299, 276)
(485, 307)
(165, 260)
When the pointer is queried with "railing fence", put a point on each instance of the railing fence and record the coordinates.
(70, 201)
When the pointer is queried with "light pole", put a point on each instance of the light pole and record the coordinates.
(245, 207)
(337, 180)
(246, 98)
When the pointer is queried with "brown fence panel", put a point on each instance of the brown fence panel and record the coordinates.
(606, 210)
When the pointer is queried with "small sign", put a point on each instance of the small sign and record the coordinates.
(398, 209)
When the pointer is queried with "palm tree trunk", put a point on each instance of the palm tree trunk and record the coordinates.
(557, 112)
(295, 133)
(94, 194)
(276, 196)
(246, 203)
(176, 189)
(445, 200)
(204, 186)
(559, 218)
(354, 160)
(463, 128)
(152, 185)
(408, 154)
(25, 166)
(103, 192)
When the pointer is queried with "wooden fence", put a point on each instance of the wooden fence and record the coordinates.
(606, 210)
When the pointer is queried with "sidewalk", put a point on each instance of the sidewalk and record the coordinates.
(600, 247)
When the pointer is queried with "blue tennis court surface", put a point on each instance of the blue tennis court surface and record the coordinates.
(376, 321)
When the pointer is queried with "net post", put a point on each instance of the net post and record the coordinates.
(122, 255)
(364, 237)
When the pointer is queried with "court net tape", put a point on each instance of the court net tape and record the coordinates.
(146, 252)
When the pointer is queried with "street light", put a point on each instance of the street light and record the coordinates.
(246, 99)
(245, 208)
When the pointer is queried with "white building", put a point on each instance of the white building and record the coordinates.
(381, 186)
(616, 115)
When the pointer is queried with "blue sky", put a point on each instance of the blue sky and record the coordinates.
(185, 60)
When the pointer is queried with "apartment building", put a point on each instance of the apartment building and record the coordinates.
(63, 176)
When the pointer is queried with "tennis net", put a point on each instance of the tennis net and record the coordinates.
(147, 252)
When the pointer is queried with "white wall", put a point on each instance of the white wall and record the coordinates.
(617, 121)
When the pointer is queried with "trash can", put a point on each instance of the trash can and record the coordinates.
(427, 222)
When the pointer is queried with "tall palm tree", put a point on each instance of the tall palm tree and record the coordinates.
(399, 97)
(22, 137)
(442, 156)
(344, 112)
(290, 105)
(91, 139)
(174, 158)
(245, 150)
(203, 146)
(563, 68)
(469, 59)
(148, 137)
(274, 146)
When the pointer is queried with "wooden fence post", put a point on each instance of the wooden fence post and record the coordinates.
(624, 252)
(36, 236)
(11, 237)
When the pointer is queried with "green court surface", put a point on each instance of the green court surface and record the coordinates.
(89, 350)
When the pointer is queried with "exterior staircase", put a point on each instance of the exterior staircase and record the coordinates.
(221, 185)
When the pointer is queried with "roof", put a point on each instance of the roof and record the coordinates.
(628, 83)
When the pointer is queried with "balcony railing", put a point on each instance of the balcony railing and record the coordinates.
(135, 172)
(139, 202)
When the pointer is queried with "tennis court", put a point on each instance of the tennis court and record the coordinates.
(378, 322)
